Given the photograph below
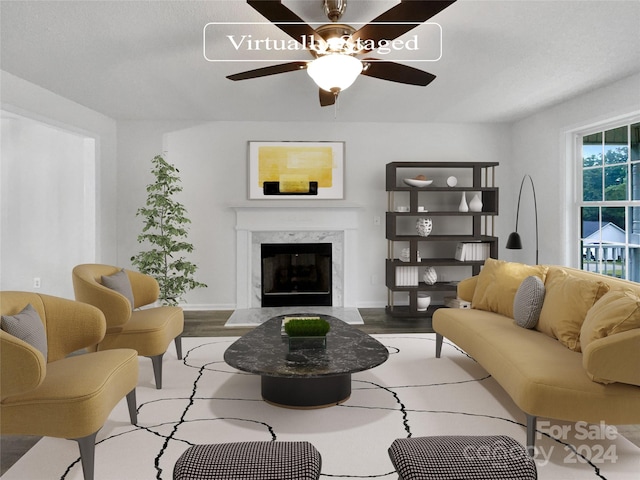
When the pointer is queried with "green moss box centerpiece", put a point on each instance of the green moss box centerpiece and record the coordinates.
(306, 332)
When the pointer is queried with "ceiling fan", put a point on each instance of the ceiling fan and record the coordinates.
(336, 46)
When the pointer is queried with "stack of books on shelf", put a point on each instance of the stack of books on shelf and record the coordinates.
(473, 251)
(407, 276)
(455, 302)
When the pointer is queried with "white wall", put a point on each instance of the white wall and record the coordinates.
(212, 159)
(48, 209)
(213, 163)
(539, 147)
(33, 102)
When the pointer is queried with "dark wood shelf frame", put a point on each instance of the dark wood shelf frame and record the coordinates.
(490, 208)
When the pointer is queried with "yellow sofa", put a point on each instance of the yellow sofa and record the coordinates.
(62, 395)
(544, 369)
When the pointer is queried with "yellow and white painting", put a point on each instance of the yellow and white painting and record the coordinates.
(294, 166)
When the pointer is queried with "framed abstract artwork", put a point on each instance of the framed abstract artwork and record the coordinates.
(296, 170)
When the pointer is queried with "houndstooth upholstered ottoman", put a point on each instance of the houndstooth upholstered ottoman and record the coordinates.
(250, 461)
(495, 457)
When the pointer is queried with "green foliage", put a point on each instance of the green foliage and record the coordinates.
(307, 327)
(609, 184)
(615, 176)
(165, 232)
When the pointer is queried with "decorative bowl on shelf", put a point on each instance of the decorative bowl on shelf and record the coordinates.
(424, 300)
(412, 182)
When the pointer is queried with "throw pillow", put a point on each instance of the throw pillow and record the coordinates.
(528, 302)
(27, 326)
(616, 312)
(466, 288)
(498, 283)
(120, 283)
(567, 300)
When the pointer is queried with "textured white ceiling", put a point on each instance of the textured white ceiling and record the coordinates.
(144, 59)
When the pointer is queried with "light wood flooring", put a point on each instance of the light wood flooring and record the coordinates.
(211, 324)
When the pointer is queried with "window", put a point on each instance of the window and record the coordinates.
(610, 203)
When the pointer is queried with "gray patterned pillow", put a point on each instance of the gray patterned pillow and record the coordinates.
(528, 301)
(120, 283)
(27, 326)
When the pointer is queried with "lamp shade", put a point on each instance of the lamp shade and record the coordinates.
(514, 242)
(334, 72)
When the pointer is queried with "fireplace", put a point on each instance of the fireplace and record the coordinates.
(256, 225)
(296, 274)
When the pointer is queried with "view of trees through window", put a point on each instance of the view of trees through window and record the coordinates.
(610, 207)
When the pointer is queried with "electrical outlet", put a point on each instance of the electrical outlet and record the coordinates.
(374, 280)
(36, 282)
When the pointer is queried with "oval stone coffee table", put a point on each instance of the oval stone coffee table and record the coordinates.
(305, 377)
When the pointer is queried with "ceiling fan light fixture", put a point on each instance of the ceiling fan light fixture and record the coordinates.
(334, 9)
(334, 72)
(336, 44)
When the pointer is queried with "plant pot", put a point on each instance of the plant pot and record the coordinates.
(424, 301)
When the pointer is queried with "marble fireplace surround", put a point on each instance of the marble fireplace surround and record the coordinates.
(296, 224)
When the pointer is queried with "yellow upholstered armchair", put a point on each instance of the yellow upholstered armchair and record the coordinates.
(44, 390)
(147, 330)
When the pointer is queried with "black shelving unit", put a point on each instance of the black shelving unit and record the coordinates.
(480, 179)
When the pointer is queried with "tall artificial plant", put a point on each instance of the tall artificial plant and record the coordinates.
(165, 231)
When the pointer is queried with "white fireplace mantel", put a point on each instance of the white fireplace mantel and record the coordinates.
(294, 224)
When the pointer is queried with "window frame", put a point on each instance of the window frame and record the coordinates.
(578, 249)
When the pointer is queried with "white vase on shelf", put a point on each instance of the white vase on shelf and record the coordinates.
(463, 207)
(475, 205)
(424, 226)
(430, 276)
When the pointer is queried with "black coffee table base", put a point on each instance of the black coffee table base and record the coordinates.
(306, 392)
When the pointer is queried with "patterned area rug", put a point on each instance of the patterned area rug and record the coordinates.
(412, 394)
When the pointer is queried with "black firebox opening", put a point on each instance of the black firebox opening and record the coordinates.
(296, 274)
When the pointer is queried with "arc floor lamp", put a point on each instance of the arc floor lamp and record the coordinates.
(514, 242)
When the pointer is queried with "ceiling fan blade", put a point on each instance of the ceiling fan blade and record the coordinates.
(266, 71)
(410, 14)
(396, 72)
(287, 21)
(327, 98)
